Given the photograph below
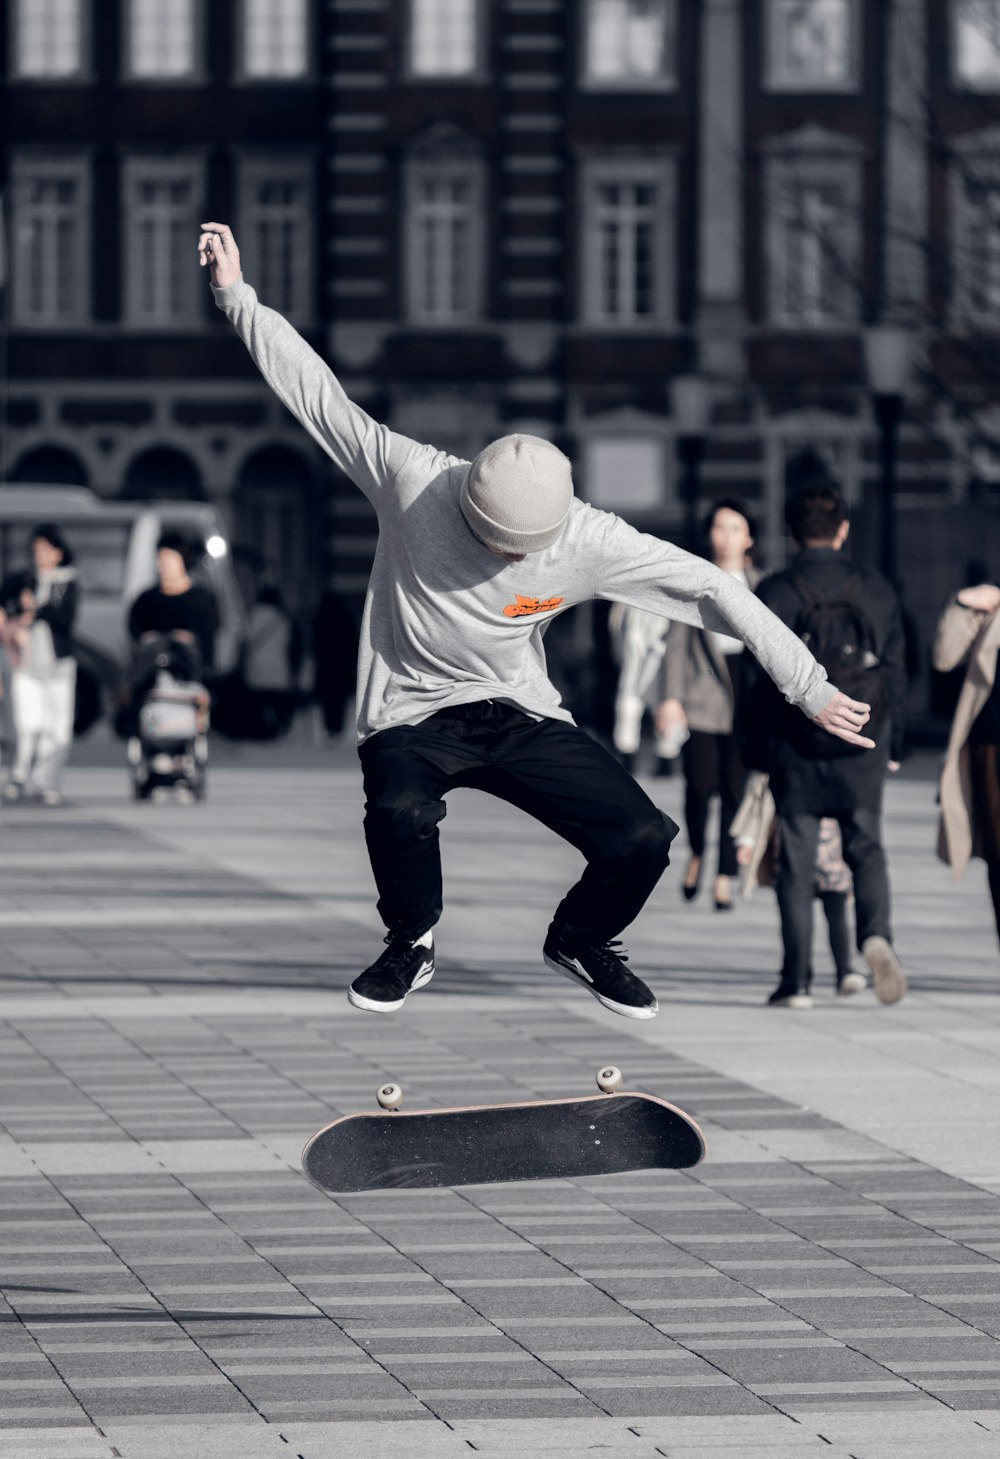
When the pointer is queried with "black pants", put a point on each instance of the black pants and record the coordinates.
(993, 878)
(554, 771)
(860, 832)
(712, 766)
(835, 909)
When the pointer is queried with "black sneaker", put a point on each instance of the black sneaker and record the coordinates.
(790, 995)
(602, 971)
(403, 966)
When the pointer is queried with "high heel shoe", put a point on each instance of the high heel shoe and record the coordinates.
(723, 892)
(689, 888)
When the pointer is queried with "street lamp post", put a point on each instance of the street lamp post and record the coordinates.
(888, 357)
(689, 406)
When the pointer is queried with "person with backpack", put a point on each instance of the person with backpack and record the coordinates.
(851, 621)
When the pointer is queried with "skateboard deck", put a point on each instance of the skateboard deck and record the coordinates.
(597, 1134)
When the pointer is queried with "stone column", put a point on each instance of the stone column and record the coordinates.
(720, 260)
(906, 162)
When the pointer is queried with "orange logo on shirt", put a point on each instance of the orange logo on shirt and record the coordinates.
(524, 606)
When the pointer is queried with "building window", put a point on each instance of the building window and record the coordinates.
(812, 45)
(444, 238)
(48, 38)
(444, 38)
(162, 211)
(628, 251)
(976, 44)
(630, 43)
(51, 241)
(627, 473)
(274, 40)
(814, 241)
(976, 235)
(276, 232)
(161, 42)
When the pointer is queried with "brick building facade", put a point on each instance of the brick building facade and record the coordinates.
(515, 214)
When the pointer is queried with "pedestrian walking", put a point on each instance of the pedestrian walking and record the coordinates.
(702, 685)
(638, 639)
(473, 560)
(8, 636)
(755, 832)
(969, 633)
(176, 618)
(270, 659)
(850, 618)
(43, 604)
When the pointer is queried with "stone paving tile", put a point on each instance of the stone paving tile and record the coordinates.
(170, 1272)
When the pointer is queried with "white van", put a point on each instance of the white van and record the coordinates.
(114, 550)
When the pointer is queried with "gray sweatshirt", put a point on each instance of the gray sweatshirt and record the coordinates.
(447, 621)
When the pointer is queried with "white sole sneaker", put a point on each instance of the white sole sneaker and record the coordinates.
(887, 972)
(372, 1005)
(851, 983)
(578, 975)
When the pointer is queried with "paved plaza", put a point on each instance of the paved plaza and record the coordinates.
(173, 1027)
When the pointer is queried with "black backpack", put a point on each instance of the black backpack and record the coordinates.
(838, 634)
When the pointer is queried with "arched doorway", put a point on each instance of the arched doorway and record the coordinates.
(279, 524)
(52, 465)
(163, 474)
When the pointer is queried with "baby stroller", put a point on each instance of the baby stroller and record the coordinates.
(169, 747)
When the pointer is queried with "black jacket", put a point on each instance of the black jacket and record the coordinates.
(842, 782)
(59, 612)
(193, 611)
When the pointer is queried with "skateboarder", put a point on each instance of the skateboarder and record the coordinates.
(473, 561)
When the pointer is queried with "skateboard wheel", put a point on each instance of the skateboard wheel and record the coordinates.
(609, 1079)
(389, 1096)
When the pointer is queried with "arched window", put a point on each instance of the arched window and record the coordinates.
(52, 465)
(163, 474)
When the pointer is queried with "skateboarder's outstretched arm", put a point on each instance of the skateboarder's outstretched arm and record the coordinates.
(648, 573)
(366, 451)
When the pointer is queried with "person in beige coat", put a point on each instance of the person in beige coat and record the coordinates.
(969, 633)
(700, 687)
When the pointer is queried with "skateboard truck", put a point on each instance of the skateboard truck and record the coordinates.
(609, 1080)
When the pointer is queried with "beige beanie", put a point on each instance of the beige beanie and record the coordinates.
(517, 494)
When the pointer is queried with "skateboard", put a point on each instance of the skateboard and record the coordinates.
(557, 1139)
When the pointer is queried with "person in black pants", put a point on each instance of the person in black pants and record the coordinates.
(701, 686)
(807, 782)
(563, 778)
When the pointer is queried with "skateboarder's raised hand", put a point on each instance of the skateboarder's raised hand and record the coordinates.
(217, 249)
(844, 718)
